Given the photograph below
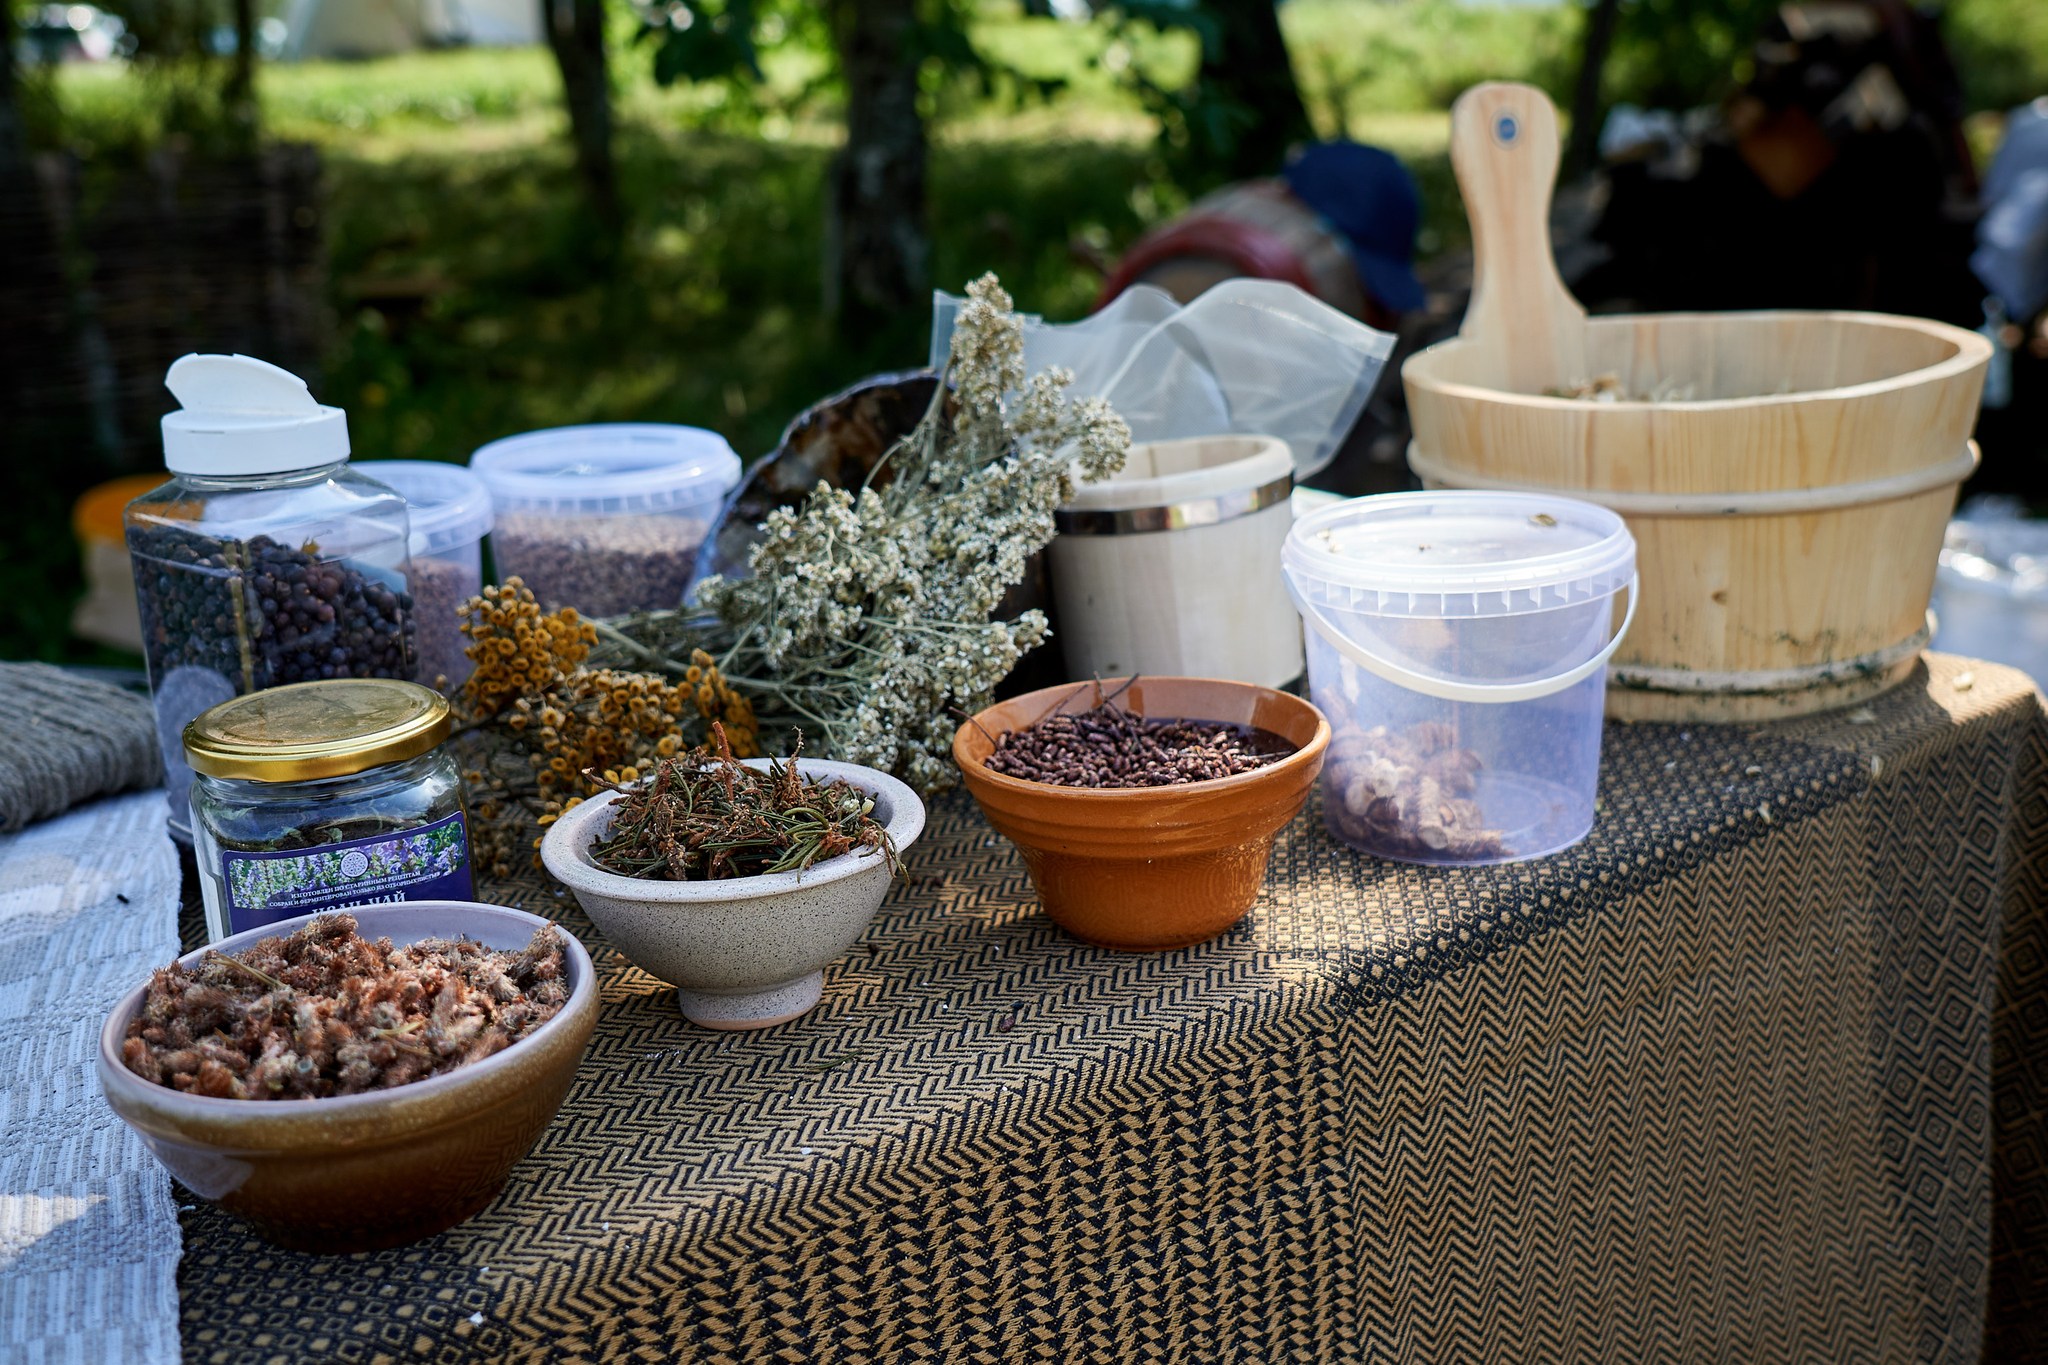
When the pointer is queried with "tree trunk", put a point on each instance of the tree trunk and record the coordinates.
(1584, 151)
(575, 30)
(14, 169)
(1248, 66)
(876, 241)
(241, 84)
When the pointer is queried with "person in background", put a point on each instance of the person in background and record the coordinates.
(1339, 221)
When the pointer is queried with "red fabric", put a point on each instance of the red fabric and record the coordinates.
(1253, 250)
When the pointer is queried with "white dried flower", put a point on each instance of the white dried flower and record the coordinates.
(866, 621)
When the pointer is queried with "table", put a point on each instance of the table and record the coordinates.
(1756, 1073)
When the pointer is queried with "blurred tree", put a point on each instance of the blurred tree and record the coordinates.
(239, 94)
(34, 334)
(13, 137)
(1247, 68)
(1242, 111)
(575, 30)
(877, 246)
(198, 99)
(1587, 110)
(877, 243)
(1676, 54)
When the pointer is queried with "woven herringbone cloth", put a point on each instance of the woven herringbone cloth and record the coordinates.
(1754, 1074)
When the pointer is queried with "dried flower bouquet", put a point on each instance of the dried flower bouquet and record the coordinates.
(866, 621)
(867, 617)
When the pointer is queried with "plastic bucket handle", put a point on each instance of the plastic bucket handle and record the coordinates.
(1445, 690)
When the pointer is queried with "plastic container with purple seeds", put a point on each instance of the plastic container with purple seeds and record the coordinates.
(450, 512)
(606, 519)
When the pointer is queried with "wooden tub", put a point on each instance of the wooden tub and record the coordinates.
(1787, 488)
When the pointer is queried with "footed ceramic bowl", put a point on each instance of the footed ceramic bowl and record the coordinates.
(747, 952)
(360, 1172)
(1144, 869)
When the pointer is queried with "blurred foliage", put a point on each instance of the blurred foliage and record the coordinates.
(2000, 48)
(182, 77)
(464, 331)
(1200, 126)
(467, 306)
(1675, 54)
(728, 46)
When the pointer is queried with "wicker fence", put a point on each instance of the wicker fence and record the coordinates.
(115, 271)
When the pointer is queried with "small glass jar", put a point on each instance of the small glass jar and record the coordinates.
(322, 796)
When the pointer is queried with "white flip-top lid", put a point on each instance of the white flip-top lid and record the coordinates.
(240, 415)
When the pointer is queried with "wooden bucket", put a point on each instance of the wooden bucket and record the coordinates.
(1788, 508)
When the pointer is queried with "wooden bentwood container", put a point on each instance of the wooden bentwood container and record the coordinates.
(1788, 505)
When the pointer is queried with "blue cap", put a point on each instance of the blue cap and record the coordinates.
(1370, 199)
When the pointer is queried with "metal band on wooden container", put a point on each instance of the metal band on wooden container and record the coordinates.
(1764, 503)
(1176, 516)
(1649, 678)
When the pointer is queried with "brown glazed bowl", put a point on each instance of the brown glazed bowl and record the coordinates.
(1144, 869)
(360, 1172)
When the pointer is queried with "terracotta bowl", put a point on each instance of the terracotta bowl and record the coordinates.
(359, 1172)
(749, 952)
(1148, 868)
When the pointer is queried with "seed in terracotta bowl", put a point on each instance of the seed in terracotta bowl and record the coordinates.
(1109, 747)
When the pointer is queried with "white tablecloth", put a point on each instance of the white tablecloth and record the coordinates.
(88, 1235)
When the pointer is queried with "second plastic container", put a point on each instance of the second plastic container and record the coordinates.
(606, 518)
(1458, 642)
(450, 512)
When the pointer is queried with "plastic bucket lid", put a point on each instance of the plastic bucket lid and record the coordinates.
(608, 468)
(1459, 554)
(447, 506)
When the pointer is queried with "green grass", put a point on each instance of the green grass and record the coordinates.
(469, 304)
(709, 315)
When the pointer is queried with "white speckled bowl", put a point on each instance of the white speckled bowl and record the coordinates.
(749, 952)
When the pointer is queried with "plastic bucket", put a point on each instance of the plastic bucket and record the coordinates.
(605, 518)
(1172, 568)
(1458, 642)
(448, 511)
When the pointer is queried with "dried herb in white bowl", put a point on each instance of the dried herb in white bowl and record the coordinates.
(706, 817)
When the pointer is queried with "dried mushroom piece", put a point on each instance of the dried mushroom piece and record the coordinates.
(327, 1012)
(1410, 793)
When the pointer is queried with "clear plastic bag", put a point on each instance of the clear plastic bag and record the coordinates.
(1247, 358)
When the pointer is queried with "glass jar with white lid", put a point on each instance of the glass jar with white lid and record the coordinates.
(265, 560)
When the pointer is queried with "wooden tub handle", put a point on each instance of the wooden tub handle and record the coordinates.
(1523, 322)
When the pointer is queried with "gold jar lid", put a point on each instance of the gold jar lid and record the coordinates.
(316, 729)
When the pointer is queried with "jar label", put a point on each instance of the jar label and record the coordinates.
(429, 863)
